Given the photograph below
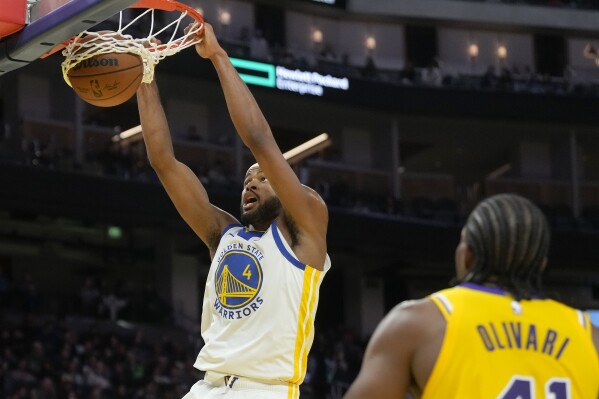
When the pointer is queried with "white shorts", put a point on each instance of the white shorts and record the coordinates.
(213, 386)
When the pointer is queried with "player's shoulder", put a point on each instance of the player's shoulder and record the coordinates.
(415, 307)
(412, 320)
(411, 305)
(414, 313)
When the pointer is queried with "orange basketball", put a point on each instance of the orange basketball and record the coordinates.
(106, 80)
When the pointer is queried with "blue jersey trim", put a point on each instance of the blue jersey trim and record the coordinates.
(492, 290)
(483, 288)
(229, 227)
(279, 241)
(247, 234)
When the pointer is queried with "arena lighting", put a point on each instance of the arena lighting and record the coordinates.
(501, 52)
(225, 18)
(308, 148)
(500, 171)
(473, 50)
(127, 134)
(317, 36)
(114, 232)
(370, 43)
(294, 155)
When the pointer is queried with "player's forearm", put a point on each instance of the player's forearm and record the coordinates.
(154, 125)
(245, 113)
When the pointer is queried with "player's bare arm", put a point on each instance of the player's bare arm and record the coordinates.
(181, 184)
(303, 205)
(401, 352)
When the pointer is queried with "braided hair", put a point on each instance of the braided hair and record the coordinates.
(509, 236)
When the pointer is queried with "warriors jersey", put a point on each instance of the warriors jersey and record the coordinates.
(498, 348)
(259, 308)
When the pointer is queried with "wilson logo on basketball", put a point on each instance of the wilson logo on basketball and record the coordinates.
(107, 79)
(97, 62)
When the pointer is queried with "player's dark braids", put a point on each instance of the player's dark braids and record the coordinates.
(509, 236)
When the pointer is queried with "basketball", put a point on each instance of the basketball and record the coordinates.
(107, 80)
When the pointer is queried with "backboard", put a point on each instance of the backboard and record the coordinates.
(51, 22)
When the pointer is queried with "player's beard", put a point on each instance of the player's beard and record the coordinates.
(264, 214)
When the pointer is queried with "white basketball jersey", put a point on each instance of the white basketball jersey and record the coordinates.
(259, 308)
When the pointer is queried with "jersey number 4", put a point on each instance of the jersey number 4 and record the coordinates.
(520, 387)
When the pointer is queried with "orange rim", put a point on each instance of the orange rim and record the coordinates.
(169, 5)
(164, 5)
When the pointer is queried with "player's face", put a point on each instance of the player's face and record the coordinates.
(259, 203)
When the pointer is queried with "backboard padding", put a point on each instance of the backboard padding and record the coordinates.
(58, 25)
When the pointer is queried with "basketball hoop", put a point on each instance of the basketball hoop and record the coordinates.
(126, 38)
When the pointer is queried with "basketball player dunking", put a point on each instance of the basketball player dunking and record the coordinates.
(262, 289)
(494, 335)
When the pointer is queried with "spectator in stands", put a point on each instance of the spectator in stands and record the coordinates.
(4, 288)
(90, 297)
(47, 389)
(327, 53)
(369, 71)
(217, 175)
(408, 74)
(505, 81)
(345, 64)
(96, 374)
(284, 56)
(259, 48)
(28, 295)
(192, 133)
(529, 77)
(20, 376)
(433, 75)
(112, 303)
(244, 36)
(489, 79)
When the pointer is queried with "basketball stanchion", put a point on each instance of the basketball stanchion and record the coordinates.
(97, 64)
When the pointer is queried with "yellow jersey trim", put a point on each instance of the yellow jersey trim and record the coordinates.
(305, 323)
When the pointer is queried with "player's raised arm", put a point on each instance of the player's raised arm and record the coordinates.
(304, 206)
(182, 185)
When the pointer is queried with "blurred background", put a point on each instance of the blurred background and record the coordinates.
(430, 106)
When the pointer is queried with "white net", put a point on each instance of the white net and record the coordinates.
(88, 44)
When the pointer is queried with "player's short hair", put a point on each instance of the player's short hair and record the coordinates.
(509, 236)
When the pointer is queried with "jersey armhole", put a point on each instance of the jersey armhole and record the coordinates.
(585, 321)
(443, 304)
(284, 248)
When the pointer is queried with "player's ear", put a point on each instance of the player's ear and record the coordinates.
(469, 258)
